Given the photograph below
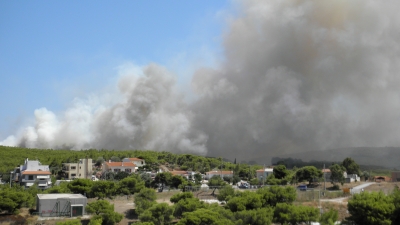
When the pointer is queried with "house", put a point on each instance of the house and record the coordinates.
(82, 169)
(218, 173)
(116, 167)
(262, 174)
(32, 172)
(396, 176)
(350, 178)
(189, 175)
(137, 161)
(326, 174)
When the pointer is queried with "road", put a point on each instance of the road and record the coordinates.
(355, 190)
(359, 188)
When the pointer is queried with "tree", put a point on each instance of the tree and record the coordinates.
(204, 217)
(81, 186)
(262, 216)
(396, 201)
(121, 175)
(337, 174)
(351, 166)
(271, 196)
(226, 193)
(98, 207)
(105, 210)
(163, 178)
(178, 181)
(198, 178)
(366, 175)
(280, 171)
(373, 208)
(216, 181)
(115, 159)
(290, 214)
(244, 201)
(184, 195)
(159, 214)
(144, 199)
(104, 188)
(308, 173)
(187, 205)
(329, 218)
(69, 222)
(130, 185)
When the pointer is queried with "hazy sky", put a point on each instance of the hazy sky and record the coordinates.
(54, 51)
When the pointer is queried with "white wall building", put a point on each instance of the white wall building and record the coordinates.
(82, 169)
(218, 173)
(264, 173)
(138, 162)
(31, 172)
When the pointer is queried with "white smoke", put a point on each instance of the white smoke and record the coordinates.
(297, 75)
(149, 114)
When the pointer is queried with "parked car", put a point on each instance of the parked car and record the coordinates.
(302, 187)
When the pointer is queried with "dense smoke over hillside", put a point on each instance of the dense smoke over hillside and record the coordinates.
(297, 76)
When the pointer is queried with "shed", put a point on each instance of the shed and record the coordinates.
(71, 205)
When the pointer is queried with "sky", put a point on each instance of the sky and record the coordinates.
(53, 52)
(246, 79)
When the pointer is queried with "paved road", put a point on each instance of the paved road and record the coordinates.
(359, 188)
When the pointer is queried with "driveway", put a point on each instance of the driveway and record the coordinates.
(359, 188)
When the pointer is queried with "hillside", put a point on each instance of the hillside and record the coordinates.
(388, 157)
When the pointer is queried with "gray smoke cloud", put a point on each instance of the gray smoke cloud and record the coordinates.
(303, 75)
(296, 76)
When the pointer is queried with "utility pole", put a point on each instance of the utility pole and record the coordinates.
(324, 179)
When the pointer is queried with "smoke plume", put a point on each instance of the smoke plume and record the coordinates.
(296, 76)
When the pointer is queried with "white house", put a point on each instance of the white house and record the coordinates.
(262, 174)
(32, 172)
(350, 178)
(116, 167)
(218, 173)
(138, 162)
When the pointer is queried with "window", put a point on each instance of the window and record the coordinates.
(73, 175)
(117, 170)
(73, 167)
(30, 177)
(128, 170)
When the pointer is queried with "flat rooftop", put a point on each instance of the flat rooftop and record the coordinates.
(56, 196)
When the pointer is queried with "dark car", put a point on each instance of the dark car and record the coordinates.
(302, 187)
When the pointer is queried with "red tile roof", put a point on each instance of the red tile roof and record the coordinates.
(178, 172)
(135, 159)
(36, 172)
(120, 164)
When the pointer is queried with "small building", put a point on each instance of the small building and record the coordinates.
(116, 167)
(396, 176)
(189, 175)
(137, 161)
(218, 173)
(56, 205)
(382, 179)
(82, 169)
(350, 178)
(264, 173)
